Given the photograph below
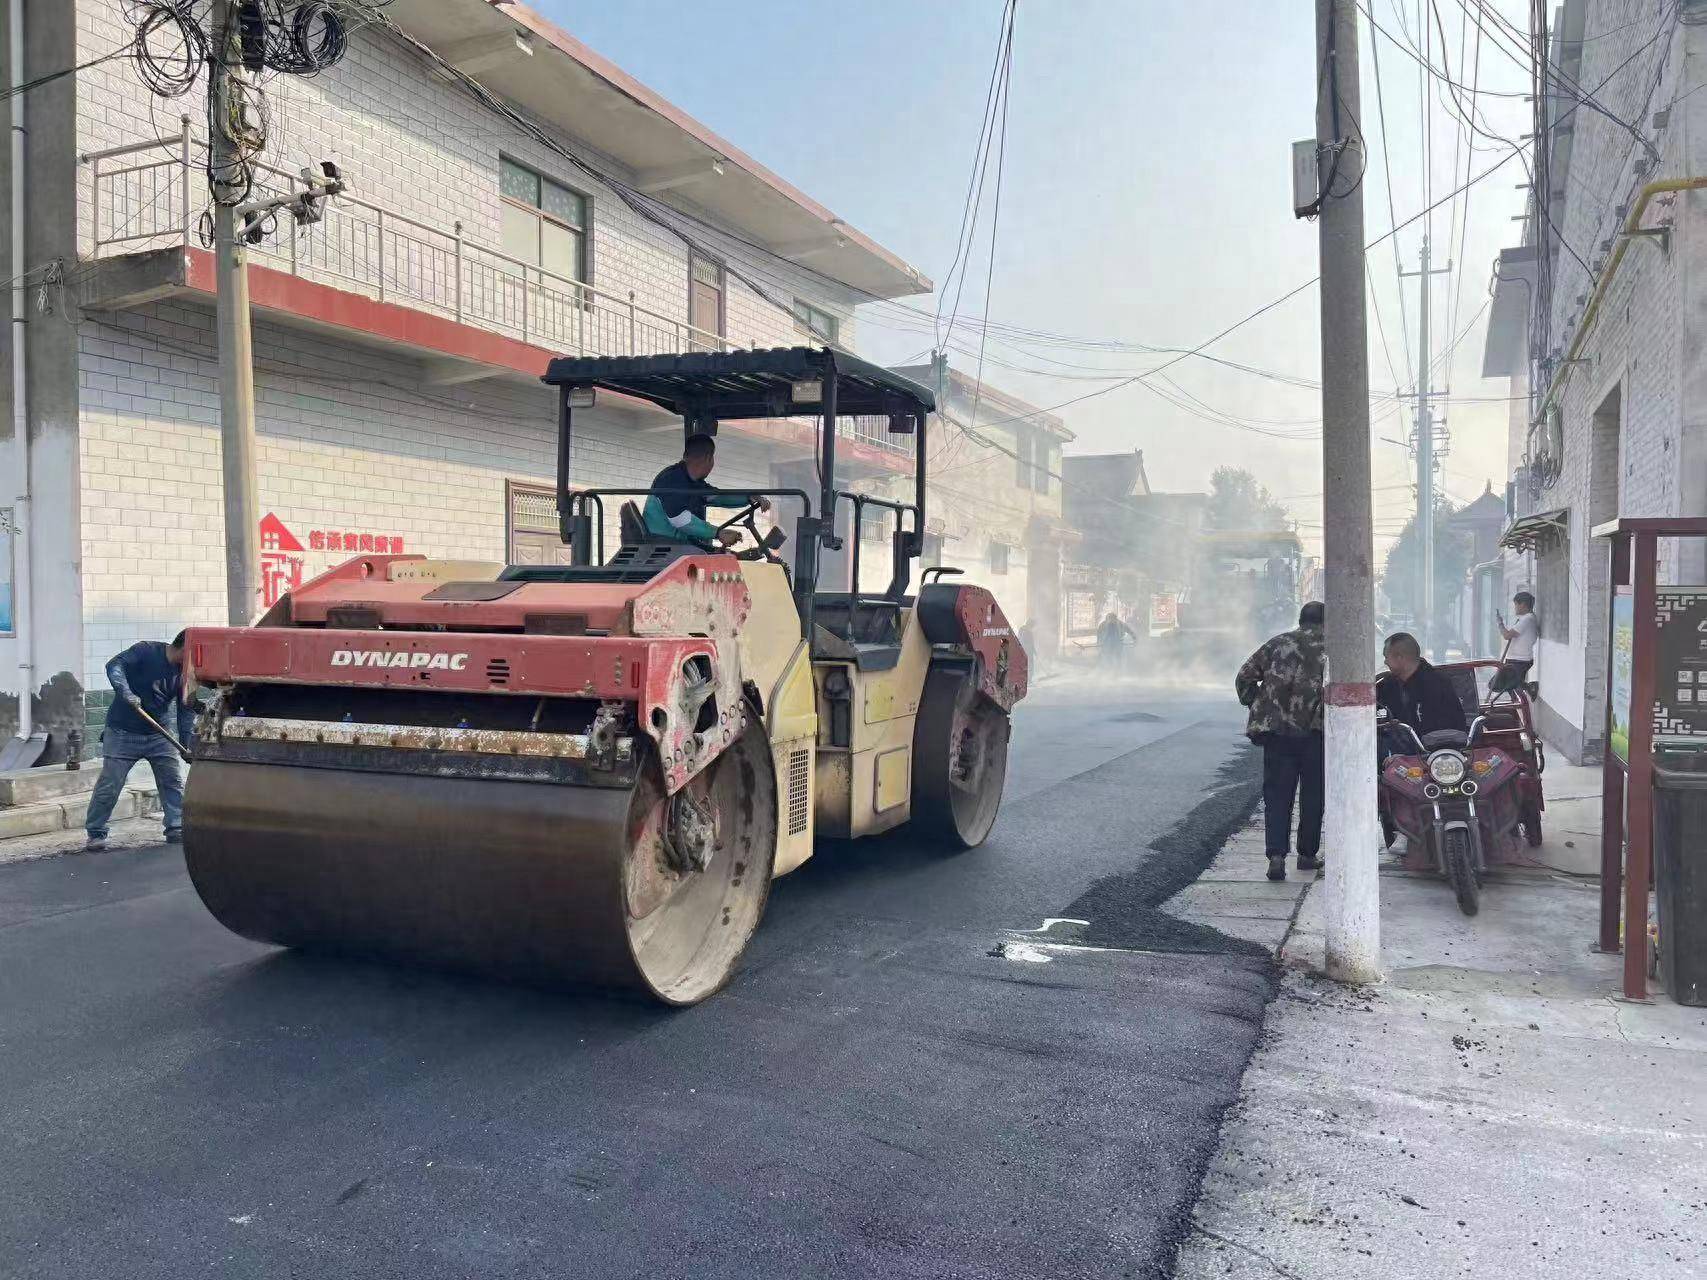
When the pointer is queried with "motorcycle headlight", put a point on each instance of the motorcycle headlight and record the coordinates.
(1446, 768)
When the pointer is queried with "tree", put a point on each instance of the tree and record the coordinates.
(1237, 501)
(1402, 578)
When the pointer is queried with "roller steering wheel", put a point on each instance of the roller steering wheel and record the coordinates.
(743, 520)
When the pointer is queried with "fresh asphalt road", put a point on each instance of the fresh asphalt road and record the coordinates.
(884, 1090)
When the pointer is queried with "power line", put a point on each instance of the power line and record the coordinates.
(995, 206)
(975, 181)
(1392, 211)
(1467, 115)
(52, 76)
(1259, 312)
(1545, 69)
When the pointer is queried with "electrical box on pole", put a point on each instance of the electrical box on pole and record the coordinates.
(1306, 179)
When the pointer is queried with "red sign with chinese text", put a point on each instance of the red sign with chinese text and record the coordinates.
(282, 552)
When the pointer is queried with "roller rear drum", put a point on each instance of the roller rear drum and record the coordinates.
(960, 759)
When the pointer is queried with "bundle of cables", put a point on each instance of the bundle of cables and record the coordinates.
(294, 37)
(171, 44)
(174, 40)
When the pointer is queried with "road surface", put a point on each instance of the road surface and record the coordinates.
(896, 1084)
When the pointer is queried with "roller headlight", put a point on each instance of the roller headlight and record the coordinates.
(1446, 768)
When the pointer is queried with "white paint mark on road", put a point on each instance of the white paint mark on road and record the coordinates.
(1021, 951)
(1049, 922)
(242, 1219)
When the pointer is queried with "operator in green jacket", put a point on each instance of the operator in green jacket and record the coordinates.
(680, 495)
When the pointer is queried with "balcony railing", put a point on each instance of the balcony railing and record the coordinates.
(144, 196)
(147, 196)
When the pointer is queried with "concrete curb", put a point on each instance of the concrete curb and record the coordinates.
(68, 814)
(1235, 896)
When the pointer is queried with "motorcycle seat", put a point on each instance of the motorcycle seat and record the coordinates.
(1442, 738)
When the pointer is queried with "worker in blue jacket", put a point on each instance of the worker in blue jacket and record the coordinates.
(148, 684)
(680, 495)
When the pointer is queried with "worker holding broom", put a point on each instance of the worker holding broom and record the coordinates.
(149, 695)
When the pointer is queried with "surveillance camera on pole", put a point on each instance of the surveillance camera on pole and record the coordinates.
(305, 206)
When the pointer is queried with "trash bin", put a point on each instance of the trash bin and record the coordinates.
(1680, 868)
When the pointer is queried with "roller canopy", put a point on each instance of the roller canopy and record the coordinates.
(773, 383)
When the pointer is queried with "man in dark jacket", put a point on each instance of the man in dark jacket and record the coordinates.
(1417, 693)
(1281, 683)
(680, 495)
(147, 677)
(1112, 638)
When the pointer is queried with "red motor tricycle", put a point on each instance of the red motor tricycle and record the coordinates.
(1465, 800)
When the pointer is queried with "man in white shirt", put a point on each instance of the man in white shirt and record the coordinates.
(1520, 640)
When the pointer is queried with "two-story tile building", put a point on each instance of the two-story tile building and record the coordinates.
(398, 341)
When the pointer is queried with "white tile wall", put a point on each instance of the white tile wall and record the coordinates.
(347, 440)
(412, 142)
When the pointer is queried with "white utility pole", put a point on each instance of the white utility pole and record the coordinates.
(1425, 456)
(236, 349)
(1352, 888)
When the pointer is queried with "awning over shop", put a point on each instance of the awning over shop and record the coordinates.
(1526, 531)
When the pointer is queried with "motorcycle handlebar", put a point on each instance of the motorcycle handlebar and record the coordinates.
(1415, 736)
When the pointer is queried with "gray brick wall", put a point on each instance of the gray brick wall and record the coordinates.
(1634, 52)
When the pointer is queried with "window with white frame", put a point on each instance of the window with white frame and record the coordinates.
(998, 557)
(815, 322)
(544, 223)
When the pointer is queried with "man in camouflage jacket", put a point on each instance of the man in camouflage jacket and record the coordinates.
(1281, 684)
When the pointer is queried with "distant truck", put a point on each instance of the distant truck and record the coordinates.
(1245, 588)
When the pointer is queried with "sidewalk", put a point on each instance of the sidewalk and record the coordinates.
(1492, 1104)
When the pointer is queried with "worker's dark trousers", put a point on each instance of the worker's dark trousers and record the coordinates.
(1292, 765)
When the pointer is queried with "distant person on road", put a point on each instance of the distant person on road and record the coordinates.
(1417, 693)
(147, 678)
(1027, 637)
(1112, 637)
(1520, 638)
(1281, 684)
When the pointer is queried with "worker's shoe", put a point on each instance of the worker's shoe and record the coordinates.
(94, 844)
(1309, 862)
(174, 835)
(1277, 868)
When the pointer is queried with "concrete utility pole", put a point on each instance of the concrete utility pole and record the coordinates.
(1353, 891)
(236, 348)
(1425, 462)
(1425, 455)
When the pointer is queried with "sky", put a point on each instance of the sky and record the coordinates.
(1146, 199)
